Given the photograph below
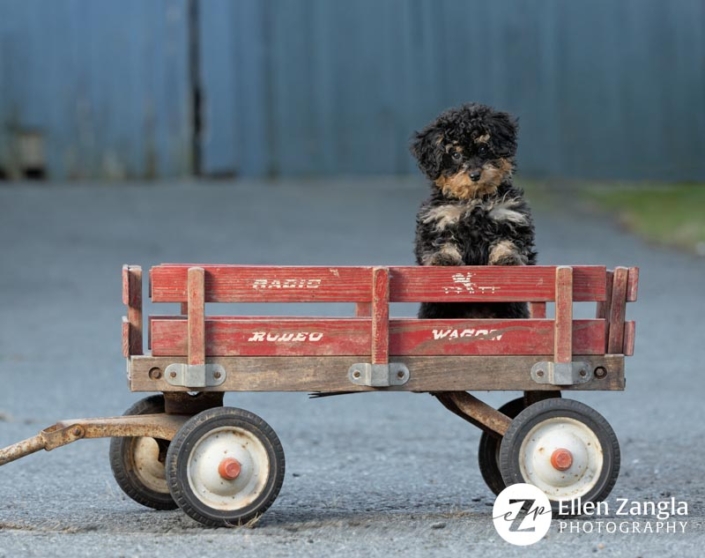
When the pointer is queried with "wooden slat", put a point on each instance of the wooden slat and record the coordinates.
(266, 284)
(491, 283)
(563, 339)
(603, 307)
(330, 374)
(352, 284)
(615, 343)
(132, 298)
(196, 316)
(227, 336)
(125, 337)
(490, 337)
(267, 337)
(632, 284)
(537, 309)
(629, 337)
(380, 316)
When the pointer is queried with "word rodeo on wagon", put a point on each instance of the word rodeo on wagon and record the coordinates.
(291, 337)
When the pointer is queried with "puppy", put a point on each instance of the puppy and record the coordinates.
(475, 215)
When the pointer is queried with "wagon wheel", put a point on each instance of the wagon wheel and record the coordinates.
(225, 467)
(488, 450)
(138, 462)
(565, 448)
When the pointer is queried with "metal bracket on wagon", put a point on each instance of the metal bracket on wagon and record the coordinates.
(378, 375)
(195, 375)
(561, 373)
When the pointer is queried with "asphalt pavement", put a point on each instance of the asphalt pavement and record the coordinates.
(367, 475)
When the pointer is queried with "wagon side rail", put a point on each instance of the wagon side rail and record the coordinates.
(369, 350)
(371, 332)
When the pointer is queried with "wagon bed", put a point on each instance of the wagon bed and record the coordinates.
(370, 351)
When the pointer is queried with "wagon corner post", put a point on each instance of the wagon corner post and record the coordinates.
(132, 298)
(564, 315)
(196, 303)
(380, 316)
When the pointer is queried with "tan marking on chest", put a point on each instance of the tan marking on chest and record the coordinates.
(444, 216)
(505, 210)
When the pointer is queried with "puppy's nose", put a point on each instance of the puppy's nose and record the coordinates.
(475, 175)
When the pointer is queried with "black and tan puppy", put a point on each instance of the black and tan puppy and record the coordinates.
(475, 215)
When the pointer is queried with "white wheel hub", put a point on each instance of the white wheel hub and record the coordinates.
(228, 468)
(561, 456)
(150, 471)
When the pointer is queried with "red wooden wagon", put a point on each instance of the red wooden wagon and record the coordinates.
(225, 466)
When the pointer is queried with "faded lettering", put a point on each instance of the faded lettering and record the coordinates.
(289, 337)
(291, 283)
(488, 334)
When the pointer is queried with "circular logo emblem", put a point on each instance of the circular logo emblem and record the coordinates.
(522, 514)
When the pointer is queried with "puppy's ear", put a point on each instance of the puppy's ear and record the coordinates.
(427, 148)
(503, 131)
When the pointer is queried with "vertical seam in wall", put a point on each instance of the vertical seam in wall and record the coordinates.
(196, 92)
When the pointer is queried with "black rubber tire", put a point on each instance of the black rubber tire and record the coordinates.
(185, 441)
(488, 450)
(510, 448)
(123, 465)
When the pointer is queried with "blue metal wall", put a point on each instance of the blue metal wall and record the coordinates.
(104, 82)
(603, 88)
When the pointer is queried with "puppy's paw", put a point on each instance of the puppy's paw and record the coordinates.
(447, 255)
(506, 253)
(442, 258)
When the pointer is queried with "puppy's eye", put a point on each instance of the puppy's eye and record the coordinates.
(483, 150)
(457, 156)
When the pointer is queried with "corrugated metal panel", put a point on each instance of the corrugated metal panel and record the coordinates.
(610, 89)
(105, 82)
(234, 134)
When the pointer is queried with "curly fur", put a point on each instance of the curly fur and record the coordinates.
(475, 215)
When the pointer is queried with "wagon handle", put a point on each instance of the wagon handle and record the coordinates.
(20, 449)
(161, 426)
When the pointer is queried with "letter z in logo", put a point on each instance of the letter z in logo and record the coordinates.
(522, 514)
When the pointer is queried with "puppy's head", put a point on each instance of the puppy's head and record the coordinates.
(467, 151)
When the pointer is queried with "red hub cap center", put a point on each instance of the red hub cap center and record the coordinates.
(229, 468)
(561, 459)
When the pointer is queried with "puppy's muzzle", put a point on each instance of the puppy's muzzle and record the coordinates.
(475, 175)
